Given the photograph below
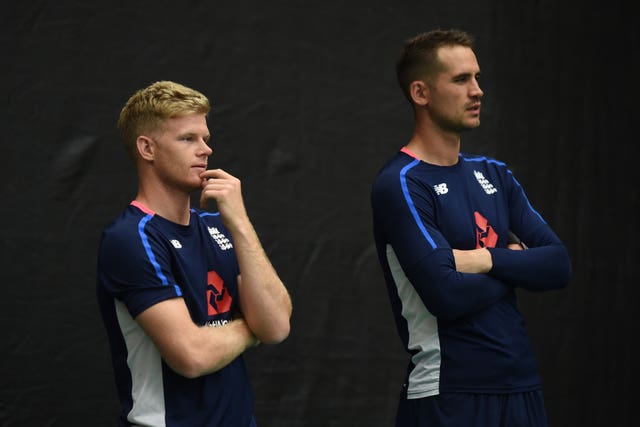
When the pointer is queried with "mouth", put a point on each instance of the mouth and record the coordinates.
(475, 108)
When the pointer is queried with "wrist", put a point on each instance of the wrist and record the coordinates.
(486, 260)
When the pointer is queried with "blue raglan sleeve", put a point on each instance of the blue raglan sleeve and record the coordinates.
(546, 264)
(134, 267)
(404, 220)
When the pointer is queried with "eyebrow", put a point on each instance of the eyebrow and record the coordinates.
(466, 75)
(188, 134)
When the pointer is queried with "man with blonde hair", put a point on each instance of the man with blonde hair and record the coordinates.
(183, 292)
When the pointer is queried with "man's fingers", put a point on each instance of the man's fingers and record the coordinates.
(215, 173)
(218, 189)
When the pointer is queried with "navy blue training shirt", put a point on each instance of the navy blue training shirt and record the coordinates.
(463, 331)
(144, 259)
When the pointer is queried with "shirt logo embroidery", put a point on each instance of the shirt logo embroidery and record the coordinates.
(176, 244)
(441, 188)
(220, 238)
(484, 183)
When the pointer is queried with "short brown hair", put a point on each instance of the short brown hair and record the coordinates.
(149, 107)
(418, 58)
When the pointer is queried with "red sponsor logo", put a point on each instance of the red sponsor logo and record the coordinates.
(218, 297)
(486, 237)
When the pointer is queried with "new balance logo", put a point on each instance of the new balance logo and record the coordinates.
(484, 183)
(176, 244)
(441, 188)
(220, 238)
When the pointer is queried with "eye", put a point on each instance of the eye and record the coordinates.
(461, 78)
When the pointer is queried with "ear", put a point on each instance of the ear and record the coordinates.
(419, 92)
(146, 147)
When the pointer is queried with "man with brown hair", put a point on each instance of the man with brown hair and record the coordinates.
(442, 226)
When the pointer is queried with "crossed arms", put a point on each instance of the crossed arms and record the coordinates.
(193, 350)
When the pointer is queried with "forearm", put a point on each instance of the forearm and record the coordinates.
(189, 349)
(264, 300)
(472, 261)
(449, 294)
(536, 269)
(213, 348)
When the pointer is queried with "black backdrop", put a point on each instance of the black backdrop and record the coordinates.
(306, 109)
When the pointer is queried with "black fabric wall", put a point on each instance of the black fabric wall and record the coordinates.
(306, 109)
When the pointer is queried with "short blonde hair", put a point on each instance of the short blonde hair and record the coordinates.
(149, 107)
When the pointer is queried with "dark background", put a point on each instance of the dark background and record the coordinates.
(306, 109)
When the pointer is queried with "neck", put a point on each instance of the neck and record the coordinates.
(168, 203)
(433, 146)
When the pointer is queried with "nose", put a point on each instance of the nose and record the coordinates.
(206, 149)
(476, 92)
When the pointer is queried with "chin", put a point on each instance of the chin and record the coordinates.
(469, 127)
(192, 186)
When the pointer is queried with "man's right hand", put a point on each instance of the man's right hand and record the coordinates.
(226, 190)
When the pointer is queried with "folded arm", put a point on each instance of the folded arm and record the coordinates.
(535, 269)
(545, 263)
(189, 349)
(448, 293)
